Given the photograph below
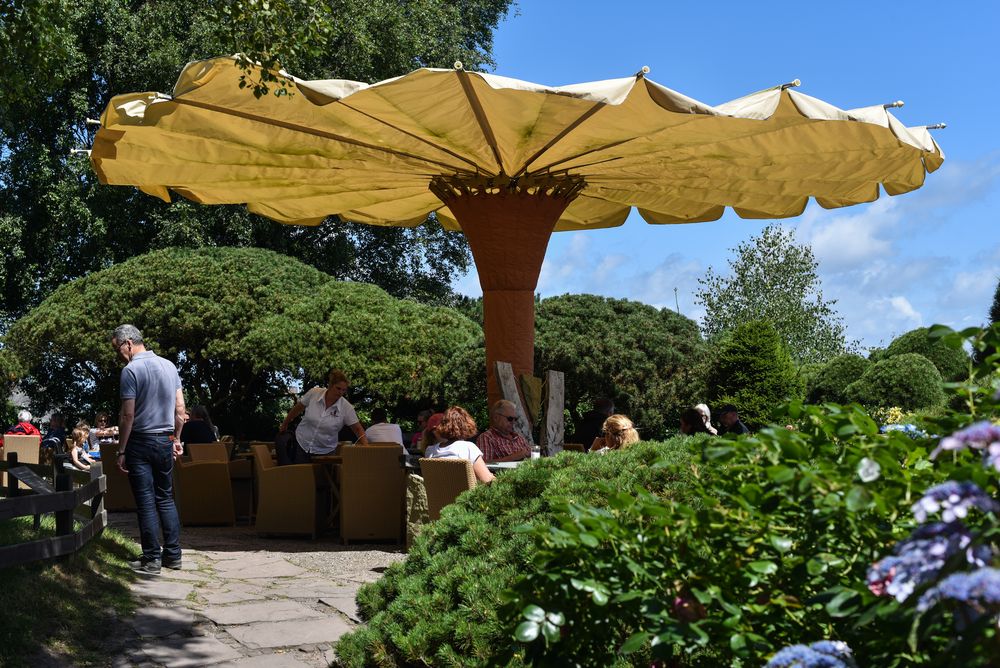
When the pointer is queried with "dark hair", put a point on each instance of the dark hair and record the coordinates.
(604, 406)
(379, 415)
(201, 413)
(456, 424)
(694, 422)
(728, 408)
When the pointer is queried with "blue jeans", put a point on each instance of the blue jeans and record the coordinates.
(149, 459)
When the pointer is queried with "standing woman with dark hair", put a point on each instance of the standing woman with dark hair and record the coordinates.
(199, 427)
(454, 431)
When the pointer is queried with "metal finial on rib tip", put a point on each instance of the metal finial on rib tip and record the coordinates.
(642, 72)
(794, 83)
(890, 105)
(458, 65)
(93, 121)
(163, 96)
(79, 151)
(937, 126)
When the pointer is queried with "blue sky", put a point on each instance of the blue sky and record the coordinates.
(902, 262)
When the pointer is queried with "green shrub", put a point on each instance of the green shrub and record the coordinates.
(441, 606)
(951, 363)
(805, 376)
(909, 381)
(753, 371)
(773, 550)
(829, 384)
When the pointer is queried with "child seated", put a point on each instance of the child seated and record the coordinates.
(79, 459)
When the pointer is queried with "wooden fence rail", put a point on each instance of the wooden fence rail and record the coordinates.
(62, 500)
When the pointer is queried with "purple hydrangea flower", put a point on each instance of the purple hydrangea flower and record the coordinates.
(953, 499)
(978, 436)
(979, 591)
(920, 557)
(991, 456)
(822, 654)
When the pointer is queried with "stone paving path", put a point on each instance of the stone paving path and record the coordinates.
(246, 601)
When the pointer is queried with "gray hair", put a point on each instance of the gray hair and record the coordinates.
(23, 416)
(501, 404)
(125, 333)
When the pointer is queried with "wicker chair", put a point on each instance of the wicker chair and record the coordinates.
(573, 447)
(118, 496)
(203, 493)
(372, 494)
(445, 479)
(27, 448)
(287, 495)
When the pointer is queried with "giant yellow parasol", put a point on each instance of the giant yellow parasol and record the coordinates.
(505, 161)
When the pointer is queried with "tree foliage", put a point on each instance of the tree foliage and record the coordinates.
(61, 61)
(829, 384)
(649, 361)
(951, 363)
(753, 371)
(908, 380)
(240, 324)
(773, 278)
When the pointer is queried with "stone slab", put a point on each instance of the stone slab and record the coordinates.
(262, 635)
(275, 611)
(185, 575)
(267, 661)
(345, 604)
(165, 589)
(233, 595)
(161, 622)
(189, 652)
(262, 571)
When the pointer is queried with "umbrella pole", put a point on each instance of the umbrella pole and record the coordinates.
(508, 231)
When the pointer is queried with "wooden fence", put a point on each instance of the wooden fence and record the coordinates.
(60, 499)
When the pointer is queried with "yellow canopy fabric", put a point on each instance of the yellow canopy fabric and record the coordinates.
(368, 153)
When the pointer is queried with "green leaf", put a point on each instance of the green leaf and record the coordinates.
(589, 540)
(550, 631)
(599, 596)
(858, 499)
(634, 642)
(780, 474)
(838, 607)
(526, 632)
(780, 543)
(533, 613)
(738, 643)
(763, 567)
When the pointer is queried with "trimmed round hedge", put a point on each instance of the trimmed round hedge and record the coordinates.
(952, 364)
(442, 605)
(829, 384)
(909, 381)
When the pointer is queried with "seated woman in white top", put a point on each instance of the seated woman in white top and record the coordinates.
(383, 431)
(454, 430)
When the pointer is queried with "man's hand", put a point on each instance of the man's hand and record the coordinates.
(121, 463)
(178, 448)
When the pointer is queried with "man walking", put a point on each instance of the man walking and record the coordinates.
(152, 410)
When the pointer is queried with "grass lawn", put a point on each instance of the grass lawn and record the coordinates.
(69, 607)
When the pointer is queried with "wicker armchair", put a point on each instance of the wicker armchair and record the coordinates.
(28, 449)
(372, 493)
(203, 493)
(287, 495)
(445, 479)
(118, 496)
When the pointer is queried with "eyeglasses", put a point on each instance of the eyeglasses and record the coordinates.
(510, 418)
(119, 346)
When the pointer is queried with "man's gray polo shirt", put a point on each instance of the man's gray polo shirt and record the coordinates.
(153, 382)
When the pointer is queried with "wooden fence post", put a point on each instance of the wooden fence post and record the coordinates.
(96, 503)
(64, 518)
(11, 480)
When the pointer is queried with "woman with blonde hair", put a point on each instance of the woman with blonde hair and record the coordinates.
(453, 432)
(618, 433)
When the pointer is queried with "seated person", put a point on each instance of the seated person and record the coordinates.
(103, 431)
(618, 433)
(706, 415)
(55, 437)
(501, 443)
(422, 418)
(593, 421)
(383, 431)
(79, 459)
(453, 432)
(199, 427)
(429, 437)
(729, 419)
(324, 411)
(23, 426)
(693, 422)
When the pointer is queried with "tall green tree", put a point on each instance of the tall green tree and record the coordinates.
(61, 61)
(241, 324)
(774, 278)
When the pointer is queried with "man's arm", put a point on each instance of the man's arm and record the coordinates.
(179, 411)
(126, 416)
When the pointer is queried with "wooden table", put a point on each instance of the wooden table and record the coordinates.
(330, 466)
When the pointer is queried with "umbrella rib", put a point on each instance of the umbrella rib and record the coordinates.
(480, 114)
(443, 149)
(565, 131)
(311, 131)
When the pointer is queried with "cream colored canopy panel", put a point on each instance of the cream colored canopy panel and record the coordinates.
(369, 152)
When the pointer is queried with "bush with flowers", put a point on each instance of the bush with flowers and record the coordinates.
(880, 547)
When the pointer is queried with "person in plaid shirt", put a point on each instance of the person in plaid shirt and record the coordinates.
(500, 443)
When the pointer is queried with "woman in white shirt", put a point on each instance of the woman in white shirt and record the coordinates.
(454, 430)
(324, 412)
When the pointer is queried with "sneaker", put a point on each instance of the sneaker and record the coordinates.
(145, 567)
(174, 565)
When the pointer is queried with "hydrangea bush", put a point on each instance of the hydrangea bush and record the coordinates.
(833, 531)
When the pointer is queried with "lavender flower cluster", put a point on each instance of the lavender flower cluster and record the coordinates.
(953, 499)
(920, 558)
(822, 654)
(979, 591)
(983, 436)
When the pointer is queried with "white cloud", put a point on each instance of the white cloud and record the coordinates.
(843, 240)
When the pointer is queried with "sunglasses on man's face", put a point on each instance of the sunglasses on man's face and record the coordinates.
(510, 418)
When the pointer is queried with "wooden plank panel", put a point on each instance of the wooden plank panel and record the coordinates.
(554, 430)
